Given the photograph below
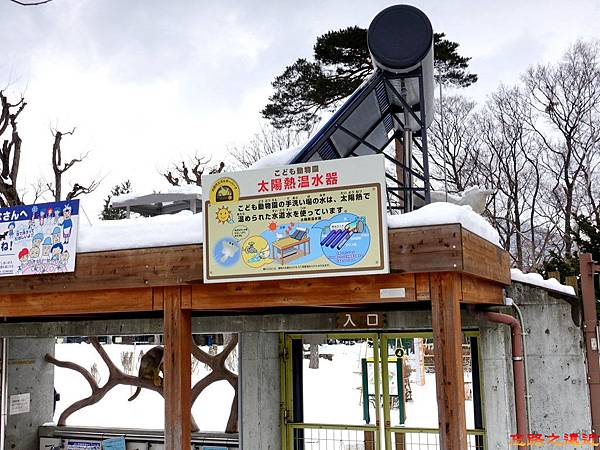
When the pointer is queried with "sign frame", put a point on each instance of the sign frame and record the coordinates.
(226, 191)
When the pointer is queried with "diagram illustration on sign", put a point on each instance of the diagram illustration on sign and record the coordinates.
(296, 221)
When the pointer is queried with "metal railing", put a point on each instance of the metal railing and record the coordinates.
(311, 436)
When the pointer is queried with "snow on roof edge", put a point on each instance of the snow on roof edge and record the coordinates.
(536, 279)
(442, 213)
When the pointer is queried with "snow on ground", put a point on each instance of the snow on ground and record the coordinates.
(147, 410)
(332, 393)
(443, 213)
(537, 280)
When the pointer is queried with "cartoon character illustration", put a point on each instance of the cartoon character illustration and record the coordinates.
(67, 224)
(56, 215)
(11, 230)
(42, 217)
(229, 250)
(37, 239)
(49, 213)
(56, 251)
(46, 245)
(24, 255)
(224, 215)
(56, 235)
(23, 258)
(35, 252)
(64, 257)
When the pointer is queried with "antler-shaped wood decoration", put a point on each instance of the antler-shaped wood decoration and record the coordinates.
(116, 377)
(219, 372)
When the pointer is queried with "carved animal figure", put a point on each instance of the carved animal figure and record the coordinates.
(150, 367)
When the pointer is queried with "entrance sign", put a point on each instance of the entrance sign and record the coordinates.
(360, 320)
(37, 239)
(306, 220)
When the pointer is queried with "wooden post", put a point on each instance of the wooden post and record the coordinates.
(449, 379)
(177, 370)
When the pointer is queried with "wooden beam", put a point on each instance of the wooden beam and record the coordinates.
(426, 249)
(477, 290)
(364, 289)
(449, 378)
(146, 267)
(76, 303)
(446, 248)
(483, 259)
(177, 371)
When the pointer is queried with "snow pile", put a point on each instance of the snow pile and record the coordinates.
(282, 158)
(187, 189)
(475, 197)
(444, 213)
(144, 232)
(537, 280)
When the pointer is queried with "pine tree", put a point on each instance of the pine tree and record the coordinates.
(586, 235)
(341, 63)
(109, 213)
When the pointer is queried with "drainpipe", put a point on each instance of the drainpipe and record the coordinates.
(510, 301)
(517, 357)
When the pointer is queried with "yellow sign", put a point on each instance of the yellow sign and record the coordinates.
(306, 220)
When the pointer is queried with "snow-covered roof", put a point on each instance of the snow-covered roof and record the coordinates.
(143, 232)
(187, 228)
(440, 213)
(171, 193)
(536, 279)
(281, 158)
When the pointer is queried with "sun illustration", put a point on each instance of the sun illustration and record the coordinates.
(223, 215)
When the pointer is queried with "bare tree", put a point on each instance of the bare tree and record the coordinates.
(566, 96)
(267, 141)
(59, 170)
(454, 149)
(10, 155)
(191, 172)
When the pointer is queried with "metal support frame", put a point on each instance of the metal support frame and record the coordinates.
(416, 169)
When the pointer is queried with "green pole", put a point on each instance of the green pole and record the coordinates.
(365, 391)
(400, 381)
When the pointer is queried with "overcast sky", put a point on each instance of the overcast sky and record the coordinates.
(147, 82)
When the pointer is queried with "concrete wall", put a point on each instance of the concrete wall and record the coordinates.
(260, 425)
(557, 376)
(29, 373)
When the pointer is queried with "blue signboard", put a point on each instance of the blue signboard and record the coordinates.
(37, 239)
(114, 444)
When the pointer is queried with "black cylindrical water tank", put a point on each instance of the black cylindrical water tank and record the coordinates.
(400, 40)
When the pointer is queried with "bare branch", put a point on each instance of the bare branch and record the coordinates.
(37, 3)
